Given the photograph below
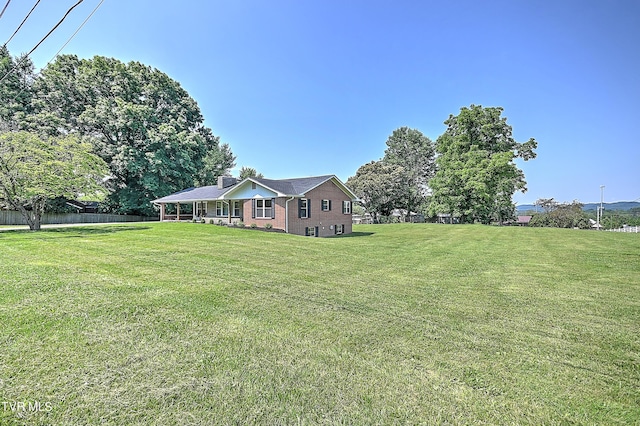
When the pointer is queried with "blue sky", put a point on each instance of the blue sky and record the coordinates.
(301, 88)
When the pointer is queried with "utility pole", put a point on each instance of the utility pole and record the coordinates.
(601, 205)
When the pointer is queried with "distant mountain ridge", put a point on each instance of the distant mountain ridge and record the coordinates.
(620, 205)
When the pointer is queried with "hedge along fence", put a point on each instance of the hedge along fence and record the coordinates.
(9, 217)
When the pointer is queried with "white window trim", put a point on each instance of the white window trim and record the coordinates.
(233, 209)
(305, 208)
(260, 211)
(346, 207)
(220, 209)
(201, 208)
(328, 204)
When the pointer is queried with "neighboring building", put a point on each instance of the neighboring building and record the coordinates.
(83, 206)
(523, 220)
(317, 206)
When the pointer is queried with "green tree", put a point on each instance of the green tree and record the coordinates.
(15, 88)
(415, 152)
(561, 215)
(476, 175)
(246, 172)
(141, 122)
(34, 171)
(379, 186)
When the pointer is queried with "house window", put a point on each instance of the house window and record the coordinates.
(264, 209)
(201, 208)
(326, 205)
(339, 229)
(222, 209)
(304, 208)
(346, 207)
(310, 231)
(237, 206)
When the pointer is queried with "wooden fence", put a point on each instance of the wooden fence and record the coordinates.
(9, 217)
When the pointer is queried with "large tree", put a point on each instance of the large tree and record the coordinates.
(34, 170)
(379, 186)
(476, 175)
(140, 121)
(415, 152)
(16, 78)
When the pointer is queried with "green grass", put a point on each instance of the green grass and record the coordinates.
(189, 324)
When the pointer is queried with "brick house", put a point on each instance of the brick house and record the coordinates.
(317, 206)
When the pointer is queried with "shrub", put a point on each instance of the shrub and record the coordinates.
(268, 226)
(194, 220)
(203, 220)
(211, 222)
(253, 226)
(240, 224)
(220, 222)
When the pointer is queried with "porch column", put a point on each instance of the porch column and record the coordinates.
(178, 212)
(161, 212)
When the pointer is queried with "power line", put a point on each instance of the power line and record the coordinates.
(4, 8)
(54, 28)
(65, 44)
(22, 23)
(76, 32)
(42, 40)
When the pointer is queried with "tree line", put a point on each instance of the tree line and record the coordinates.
(135, 128)
(468, 173)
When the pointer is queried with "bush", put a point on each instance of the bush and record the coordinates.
(239, 224)
(220, 222)
(268, 226)
(253, 226)
(203, 220)
(194, 220)
(211, 222)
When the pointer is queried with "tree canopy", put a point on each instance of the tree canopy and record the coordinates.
(246, 172)
(34, 170)
(476, 175)
(145, 126)
(561, 215)
(379, 187)
(15, 88)
(415, 153)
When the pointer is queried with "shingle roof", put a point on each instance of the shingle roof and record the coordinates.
(296, 186)
(288, 187)
(194, 194)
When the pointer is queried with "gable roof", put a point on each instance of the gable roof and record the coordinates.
(296, 187)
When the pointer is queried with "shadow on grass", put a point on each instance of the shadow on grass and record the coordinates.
(78, 231)
(95, 230)
(355, 234)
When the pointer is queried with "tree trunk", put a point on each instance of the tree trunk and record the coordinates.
(33, 217)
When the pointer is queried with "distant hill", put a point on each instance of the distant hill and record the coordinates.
(620, 205)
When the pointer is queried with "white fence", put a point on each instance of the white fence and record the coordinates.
(9, 217)
(635, 229)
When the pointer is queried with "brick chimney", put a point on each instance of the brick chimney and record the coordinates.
(226, 181)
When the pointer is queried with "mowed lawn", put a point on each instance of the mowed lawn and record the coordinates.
(192, 324)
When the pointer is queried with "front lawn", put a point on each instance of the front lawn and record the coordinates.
(189, 324)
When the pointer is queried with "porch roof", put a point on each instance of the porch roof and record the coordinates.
(190, 195)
